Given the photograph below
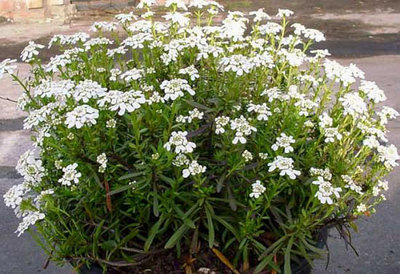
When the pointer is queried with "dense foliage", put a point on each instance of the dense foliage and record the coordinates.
(192, 137)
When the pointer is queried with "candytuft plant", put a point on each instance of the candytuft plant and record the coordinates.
(179, 144)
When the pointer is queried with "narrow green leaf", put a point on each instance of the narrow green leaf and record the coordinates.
(287, 269)
(153, 232)
(264, 262)
(211, 233)
(176, 236)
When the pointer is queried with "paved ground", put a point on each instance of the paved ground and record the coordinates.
(354, 29)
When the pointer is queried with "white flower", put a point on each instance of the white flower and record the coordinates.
(122, 102)
(111, 123)
(182, 145)
(259, 15)
(69, 39)
(30, 51)
(6, 66)
(132, 75)
(155, 156)
(284, 13)
(272, 94)
(371, 142)
(270, 28)
(82, 115)
(114, 74)
(191, 71)
(180, 160)
(387, 113)
(325, 120)
(102, 160)
(285, 142)
(285, 165)
(247, 156)
(325, 173)
(242, 128)
(181, 19)
(193, 114)
(361, 208)
(234, 26)
(236, 63)
(325, 191)
(373, 92)
(382, 185)
(262, 111)
(351, 184)
(388, 155)
(257, 189)
(103, 26)
(193, 169)
(263, 156)
(180, 4)
(124, 18)
(88, 89)
(313, 34)
(29, 219)
(98, 41)
(15, 195)
(119, 50)
(199, 4)
(30, 168)
(220, 122)
(146, 3)
(353, 104)
(174, 88)
(332, 133)
(71, 175)
(339, 73)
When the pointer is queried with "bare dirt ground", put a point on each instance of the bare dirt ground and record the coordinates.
(354, 29)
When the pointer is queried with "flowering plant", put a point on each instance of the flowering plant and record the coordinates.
(197, 138)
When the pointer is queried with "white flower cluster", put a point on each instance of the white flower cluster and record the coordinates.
(81, 116)
(193, 169)
(70, 176)
(102, 160)
(29, 219)
(242, 128)
(220, 122)
(122, 102)
(262, 111)
(388, 155)
(87, 90)
(351, 184)
(174, 89)
(179, 141)
(285, 166)
(257, 189)
(284, 141)
(7, 66)
(193, 114)
(30, 168)
(30, 51)
(326, 191)
(247, 155)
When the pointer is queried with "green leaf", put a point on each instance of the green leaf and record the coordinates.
(264, 262)
(153, 232)
(197, 105)
(287, 269)
(227, 226)
(211, 233)
(166, 179)
(130, 175)
(121, 189)
(176, 236)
